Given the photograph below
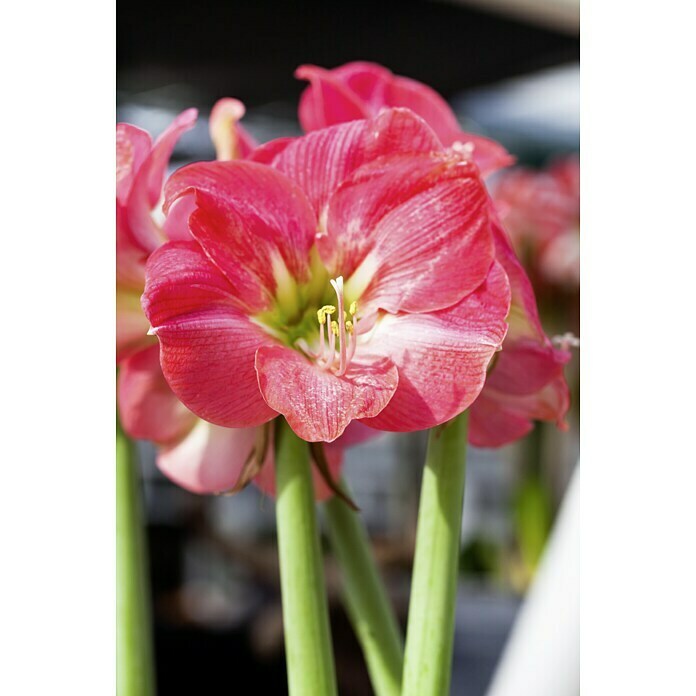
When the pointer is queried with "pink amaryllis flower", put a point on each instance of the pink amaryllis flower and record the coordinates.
(541, 212)
(360, 90)
(199, 456)
(354, 280)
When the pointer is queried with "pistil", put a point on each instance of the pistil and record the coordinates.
(339, 329)
(338, 287)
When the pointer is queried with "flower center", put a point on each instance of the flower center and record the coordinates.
(292, 318)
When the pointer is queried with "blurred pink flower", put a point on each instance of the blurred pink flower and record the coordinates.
(541, 212)
(360, 90)
(254, 317)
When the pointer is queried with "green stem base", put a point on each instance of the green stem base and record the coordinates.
(134, 653)
(308, 649)
(430, 634)
(366, 600)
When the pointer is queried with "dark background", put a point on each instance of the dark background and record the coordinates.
(251, 48)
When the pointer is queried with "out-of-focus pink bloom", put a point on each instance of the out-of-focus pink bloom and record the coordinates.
(541, 212)
(526, 382)
(354, 280)
(199, 456)
(230, 138)
(360, 90)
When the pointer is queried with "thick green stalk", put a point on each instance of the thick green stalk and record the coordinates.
(134, 655)
(366, 599)
(430, 633)
(308, 649)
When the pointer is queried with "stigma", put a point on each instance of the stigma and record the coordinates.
(337, 345)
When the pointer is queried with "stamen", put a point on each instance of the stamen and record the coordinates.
(338, 287)
(321, 317)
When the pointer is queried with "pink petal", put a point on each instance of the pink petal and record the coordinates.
(356, 434)
(317, 404)
(210, 459)
(207, 345)
(442, 357)
(266, 153)
(525, 366)
(499, 418)
(147, 406)
(133, 145)
(146, 189)
(248, 218)
(327, 100)
(320, 161)
(417, 228)
(369, 81)
(492, 425)
(488, 155)
(427, 103)
(230, 139)
(176, 224)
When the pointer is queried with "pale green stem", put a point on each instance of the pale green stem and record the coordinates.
(430, 633)
(134, 654)
(366, 600)
(308, 649)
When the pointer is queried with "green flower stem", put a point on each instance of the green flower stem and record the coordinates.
(308, 649)
(430, 633)
(366, 599)
(134, 654)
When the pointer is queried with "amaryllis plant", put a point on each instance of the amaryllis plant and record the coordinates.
(319, 290)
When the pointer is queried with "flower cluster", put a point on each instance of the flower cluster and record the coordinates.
(353, 280)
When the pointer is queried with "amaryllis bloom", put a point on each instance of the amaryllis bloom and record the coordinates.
(526, 381)
(541, 212)
(199, 456)
(360, 90)
(354, 280)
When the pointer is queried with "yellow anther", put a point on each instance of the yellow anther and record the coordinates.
(321, 313)
(334, 328)
(353, 308)
(349, 326)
